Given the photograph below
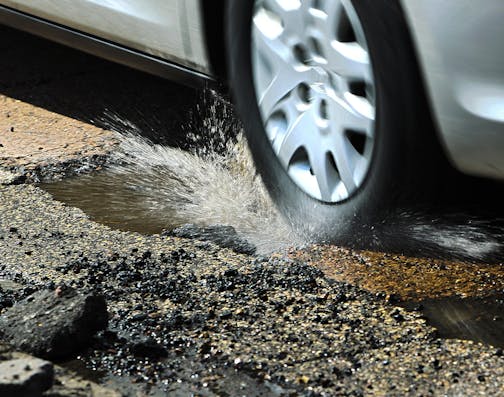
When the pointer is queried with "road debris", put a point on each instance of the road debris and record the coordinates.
(54, 324)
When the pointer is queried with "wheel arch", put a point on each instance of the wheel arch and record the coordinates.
(213, 21)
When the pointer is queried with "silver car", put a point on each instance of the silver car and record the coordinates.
(352, 108)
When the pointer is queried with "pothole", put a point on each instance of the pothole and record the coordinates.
(478, 319)
(150, 188)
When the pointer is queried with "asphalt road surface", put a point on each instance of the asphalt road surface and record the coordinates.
(311, 320)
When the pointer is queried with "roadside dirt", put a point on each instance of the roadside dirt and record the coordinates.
(34, 139)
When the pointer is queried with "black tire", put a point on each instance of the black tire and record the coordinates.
(408, 164)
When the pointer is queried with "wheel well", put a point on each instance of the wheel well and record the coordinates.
(213, 19)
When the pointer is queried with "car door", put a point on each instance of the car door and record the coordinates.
(169, 29)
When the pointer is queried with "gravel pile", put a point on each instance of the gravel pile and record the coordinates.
(189, 316)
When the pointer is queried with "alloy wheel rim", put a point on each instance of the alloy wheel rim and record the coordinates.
(316, 93)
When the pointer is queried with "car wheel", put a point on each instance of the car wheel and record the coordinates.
(334, 111)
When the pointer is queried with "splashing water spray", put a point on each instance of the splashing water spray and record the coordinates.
(212, 183)
(210, 179)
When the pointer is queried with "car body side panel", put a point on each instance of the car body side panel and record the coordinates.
(460, 44)
(169, 29)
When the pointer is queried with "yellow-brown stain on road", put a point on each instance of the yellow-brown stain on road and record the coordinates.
(408, 278)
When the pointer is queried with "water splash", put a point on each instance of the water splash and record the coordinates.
(467, 236)
(470, 241)
(212, 182)
(211, 190)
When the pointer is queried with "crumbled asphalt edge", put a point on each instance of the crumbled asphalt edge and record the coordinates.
(223, 236)
(273, 325)
(55, 171)
(54, 324)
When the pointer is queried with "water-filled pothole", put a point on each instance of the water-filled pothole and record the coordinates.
(108, 199)
(478, 319)
(152, 184)
(149, 188)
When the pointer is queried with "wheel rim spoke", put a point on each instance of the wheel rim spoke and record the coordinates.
(272, 48)
(347, 117)
(284, 77)
(326, 175)
(349, 60)
(293, 13)
(281, 85)
(296, 136)
(346, 160)
(282, 8)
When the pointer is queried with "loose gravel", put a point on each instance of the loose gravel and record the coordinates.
(187, 316)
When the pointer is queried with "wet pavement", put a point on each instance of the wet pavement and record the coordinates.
(460, 299)
(188, 317)
(85, 192)
(478, 319)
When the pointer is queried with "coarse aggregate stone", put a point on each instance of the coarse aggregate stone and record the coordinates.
(54, 324)
(25, 377)
(8, 177)
(52, 380)
(189, 316)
